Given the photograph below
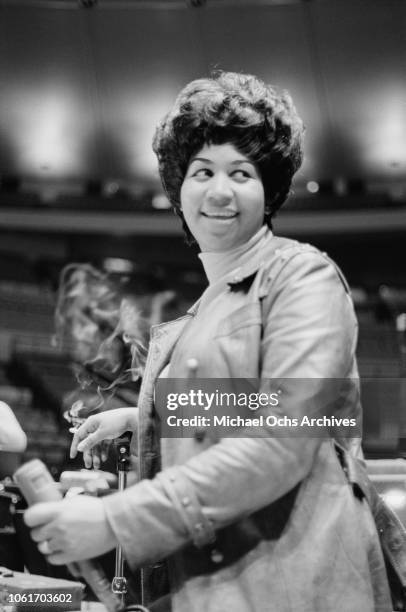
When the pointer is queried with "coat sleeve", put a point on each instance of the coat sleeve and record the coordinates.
(309, 333)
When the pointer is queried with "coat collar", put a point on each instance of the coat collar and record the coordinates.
(240, 273)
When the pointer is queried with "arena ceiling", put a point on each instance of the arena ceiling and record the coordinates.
(83, 87)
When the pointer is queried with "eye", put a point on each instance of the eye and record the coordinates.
(241, 175)
(202, 173)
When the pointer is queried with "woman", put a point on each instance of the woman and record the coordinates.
(247, 522)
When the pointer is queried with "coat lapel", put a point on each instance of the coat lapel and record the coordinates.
(163, 340)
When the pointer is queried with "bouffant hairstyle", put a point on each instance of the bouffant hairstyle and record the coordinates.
(232, 108)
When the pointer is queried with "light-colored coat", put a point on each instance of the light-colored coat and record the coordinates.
(290, 533)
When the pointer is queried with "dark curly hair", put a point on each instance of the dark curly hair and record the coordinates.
(232, 108)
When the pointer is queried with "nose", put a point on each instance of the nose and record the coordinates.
(220, 190)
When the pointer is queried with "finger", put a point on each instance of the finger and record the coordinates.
(41, 514)
(105, 447)
(58, 558)
(89, 426)
(78, 435)
(87, 459)
(39, 534)
(96, 460)
(91, 441)
(45, 547)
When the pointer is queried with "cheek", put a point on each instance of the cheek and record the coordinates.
(255, 202)
(260, 196)
(182, 193)
(184, 197)
(189, 200)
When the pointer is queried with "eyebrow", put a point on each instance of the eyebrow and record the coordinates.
(233, 163)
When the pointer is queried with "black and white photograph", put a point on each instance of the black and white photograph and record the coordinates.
(202, 306)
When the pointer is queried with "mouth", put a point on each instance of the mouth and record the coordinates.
(221, 216)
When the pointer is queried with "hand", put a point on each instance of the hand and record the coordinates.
(97, 455)
(70, 530)
(98, 427)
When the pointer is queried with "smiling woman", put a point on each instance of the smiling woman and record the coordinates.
(222, 198)
(240, 111)
(258, 520)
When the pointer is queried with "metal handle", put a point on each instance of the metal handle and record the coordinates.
(122, 444)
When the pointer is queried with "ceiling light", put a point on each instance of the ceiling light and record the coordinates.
(312, 187)
(118, 265)
(395, 498)
(160, 202)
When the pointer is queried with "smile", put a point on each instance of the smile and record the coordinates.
(220, 215)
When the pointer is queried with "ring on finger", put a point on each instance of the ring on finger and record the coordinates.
(44, 547)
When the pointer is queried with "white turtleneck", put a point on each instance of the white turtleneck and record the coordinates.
(219, 265)
(223, 267)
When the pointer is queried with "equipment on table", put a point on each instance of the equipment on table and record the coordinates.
(37, 485)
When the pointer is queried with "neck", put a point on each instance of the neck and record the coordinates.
(219, 265)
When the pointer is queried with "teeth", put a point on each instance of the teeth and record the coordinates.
(220, 214)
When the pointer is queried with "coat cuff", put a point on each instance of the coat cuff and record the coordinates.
(185, 500)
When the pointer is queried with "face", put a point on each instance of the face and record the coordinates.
(222, 198)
